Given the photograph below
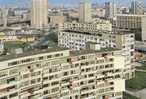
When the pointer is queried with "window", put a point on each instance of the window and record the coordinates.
(13, 71)
(45, 85)
(55, 83)
(41, 58)
(49, 56)
(45, 78)
(5, 97)
(25, 76)
(57, 55)
(46, 92)
(13, 63)
(11, 79)
(13, 95)
(3, 73)
(65, 73)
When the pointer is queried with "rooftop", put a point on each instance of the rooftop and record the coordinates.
(88, 33)
(103, 50)
(30, 52)
(100, 32)
(49, 50)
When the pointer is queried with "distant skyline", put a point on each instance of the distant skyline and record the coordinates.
(25, 3)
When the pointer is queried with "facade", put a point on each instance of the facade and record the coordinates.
(100, 12)
(24, 35)
(22, 38)
(78, 40)
(85, 11)
(135, 23)
(1, 47)
(5, 17)
(144, 29)
(87, 27)
(110, 9)
(39, 14)
(126, 42)
(57, 19)
(63, 74)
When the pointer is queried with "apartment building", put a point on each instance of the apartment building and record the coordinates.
(135, 23)
(124, 40)
(39, 14)
(97, 25)
(22, 35)
(62, 74)
(78, 40)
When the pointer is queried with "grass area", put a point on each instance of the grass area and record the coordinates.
(14, 44)
(143, 67)
(127, 96)
(137, 83)
(52, 44)
(53, 40)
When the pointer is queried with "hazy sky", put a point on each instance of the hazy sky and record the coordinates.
(25, 3)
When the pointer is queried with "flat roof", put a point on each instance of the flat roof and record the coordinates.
(103, 50)
(131, 15)
(31, 52)
(49, 50)
(116, 32)
(88, 33)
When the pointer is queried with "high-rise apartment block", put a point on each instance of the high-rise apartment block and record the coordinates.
(85, 11)
(39, 14)
(4, 17)
(110, 9)
(62, 74)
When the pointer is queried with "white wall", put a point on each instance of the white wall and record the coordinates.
(119, 85)
(144, 28)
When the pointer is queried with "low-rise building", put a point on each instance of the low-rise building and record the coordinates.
(18, 35)
(57, 19)
(96, 25)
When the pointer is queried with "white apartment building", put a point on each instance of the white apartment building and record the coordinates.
(62, 74)
(110, 9)
(78, 40)
(85, 11)
(39, 14)
(126, 42)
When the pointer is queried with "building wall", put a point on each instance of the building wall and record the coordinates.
(62, 76)
(98, 25)
(144, 29)
(76, 40)
(39, 14)
(110, 10)
(79, 40)
(85, 11)
(135, 23)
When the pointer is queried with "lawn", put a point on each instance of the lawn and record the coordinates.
(52, 44)
(137, 83)
(127, 96)
(143, 67)
(14, 44)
